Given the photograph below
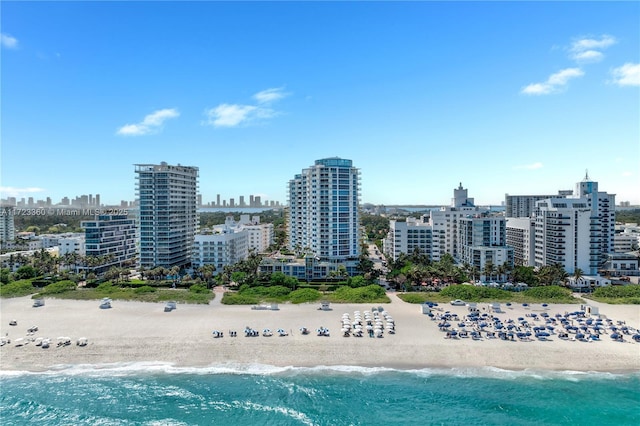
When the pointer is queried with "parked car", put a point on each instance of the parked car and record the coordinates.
(458, 302)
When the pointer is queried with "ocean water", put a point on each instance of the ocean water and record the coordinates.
(159, 394)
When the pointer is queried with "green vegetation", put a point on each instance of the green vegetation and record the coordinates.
(376, 227)
(552, 294)
(51, 224)
(628, 216)
(626, 294)
(235, 298)
(469, 293)
(304, 295)
(247, 295)
(144, 289)
(58, 288)
(17, 289)
(369, 294)
(67, 289)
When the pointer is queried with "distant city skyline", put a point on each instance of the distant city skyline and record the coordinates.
(420, 95)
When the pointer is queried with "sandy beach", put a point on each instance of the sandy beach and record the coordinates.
(139, 332)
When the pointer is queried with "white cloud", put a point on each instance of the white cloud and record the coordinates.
(12, 191)
(270, 95)
(627, 75)
(588, 56)
(7, 41)
(151, 123)
(233, 115)
(592, 43)
(226, 115)
(627, 174)
(554, 83)
(589, 49)
(532, 166)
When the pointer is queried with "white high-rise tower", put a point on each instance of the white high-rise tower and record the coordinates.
(324, 210)
(167, 217)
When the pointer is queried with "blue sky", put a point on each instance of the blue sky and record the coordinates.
(505, 97)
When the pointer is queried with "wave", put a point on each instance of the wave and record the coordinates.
(151, 367)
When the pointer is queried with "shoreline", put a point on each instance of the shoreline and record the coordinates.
(139, 332)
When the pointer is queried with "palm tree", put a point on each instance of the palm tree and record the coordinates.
(501, 269)
(474, 271)
(489, 269)
(577, 274)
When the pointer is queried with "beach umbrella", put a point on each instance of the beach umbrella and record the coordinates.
(636, 337)
(544, 305)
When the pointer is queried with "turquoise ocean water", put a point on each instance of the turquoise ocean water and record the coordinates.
(159, 394)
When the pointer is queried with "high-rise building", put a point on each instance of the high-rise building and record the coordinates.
(7, 225)
(111, 237)
(324, 216)
(525, 205)
(603, 216)
(167, 213)
(445, 223)
(408, 236)
(588, 244)
(482, 240)
(563, 236)
(434, 234)
(520, 233)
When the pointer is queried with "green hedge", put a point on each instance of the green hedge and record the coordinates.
(631, 290)
(17, 289)
(304, 295)
(144, 289)
(549, 293)
(370, 293)
(59, 287)
(199, 289)
(471, 293)
(230, 298)
(627, 294)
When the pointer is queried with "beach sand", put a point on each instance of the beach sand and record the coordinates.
(143, 332)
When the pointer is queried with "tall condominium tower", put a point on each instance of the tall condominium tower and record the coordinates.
(167, 217)
(563, 236)
(7, 225)
(324, 215)
(603, 217)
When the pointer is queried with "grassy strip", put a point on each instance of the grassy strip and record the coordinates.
(279, 294)
(548, 294)
(130, 294)
(626, 294)
(17, 289)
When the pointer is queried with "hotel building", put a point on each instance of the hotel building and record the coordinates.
(482, 240)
